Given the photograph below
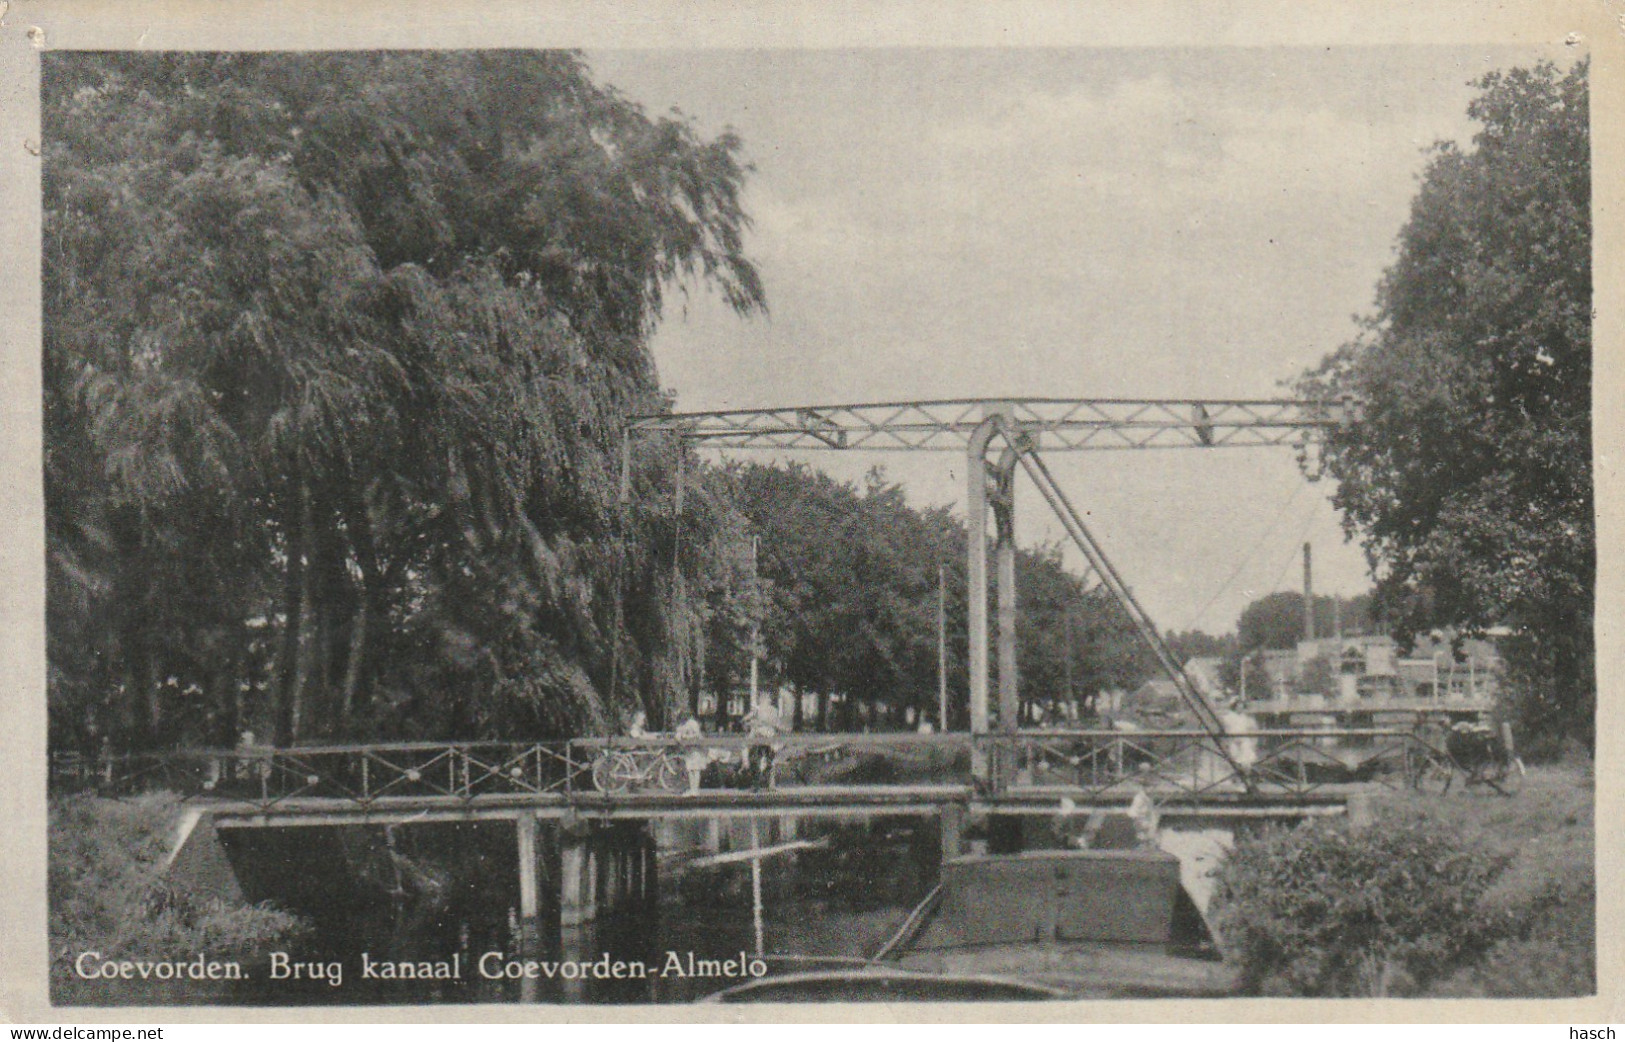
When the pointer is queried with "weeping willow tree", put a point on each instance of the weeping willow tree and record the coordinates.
(337, 352)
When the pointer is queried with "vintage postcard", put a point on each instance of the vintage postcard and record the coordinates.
(541, 512)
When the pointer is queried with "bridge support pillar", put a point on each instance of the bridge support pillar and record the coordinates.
(625, 874)
(1004, 552)
(529, 885)
(575, 881)
(530, 934)
(951, 825)
(976, 572)
(976, 508)
(593, 889)
(573, 948)
(651, 871)
(578, 899)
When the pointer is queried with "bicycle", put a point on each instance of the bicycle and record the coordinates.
(618, 772)
(1474, 751)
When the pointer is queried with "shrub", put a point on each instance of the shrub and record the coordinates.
(1329, 910)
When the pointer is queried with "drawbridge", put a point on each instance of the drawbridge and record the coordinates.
(999, 437)
(590, 838)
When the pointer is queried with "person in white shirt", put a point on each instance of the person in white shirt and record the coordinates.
(694, 757)
(762, 722)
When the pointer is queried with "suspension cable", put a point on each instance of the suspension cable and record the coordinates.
(1068, 514)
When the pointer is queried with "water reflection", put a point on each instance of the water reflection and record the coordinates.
(448, 894)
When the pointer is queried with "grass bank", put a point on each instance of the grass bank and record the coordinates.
(109, 894)
(1543, 903)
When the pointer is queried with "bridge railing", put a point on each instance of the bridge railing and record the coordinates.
(1088, 764)
(363, 773)
(1191, 764)
(799, 760)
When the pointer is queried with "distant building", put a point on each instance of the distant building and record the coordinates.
(1363, 681)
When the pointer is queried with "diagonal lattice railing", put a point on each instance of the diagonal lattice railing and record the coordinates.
(359, 775)
(1190, 766)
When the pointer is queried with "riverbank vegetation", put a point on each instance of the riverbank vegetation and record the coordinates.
(108, 894)
(1465, 895)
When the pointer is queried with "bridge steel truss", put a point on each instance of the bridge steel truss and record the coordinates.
(1025, 427)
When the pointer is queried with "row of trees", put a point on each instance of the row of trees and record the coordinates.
(851, 581)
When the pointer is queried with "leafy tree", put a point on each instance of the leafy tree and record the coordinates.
(849, 589)
(1275, 620)
(1051, 627)
(1109, 653)
(1186, 644)
(337, 352)
(1466, 470)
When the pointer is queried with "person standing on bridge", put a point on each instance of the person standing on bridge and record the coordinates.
(695, 758)
(1142, 811)
(762, 722)
(1243, 750)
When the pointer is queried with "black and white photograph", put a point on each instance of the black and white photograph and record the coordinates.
(1044, 526)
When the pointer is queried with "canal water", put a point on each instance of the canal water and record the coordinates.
(429, 893)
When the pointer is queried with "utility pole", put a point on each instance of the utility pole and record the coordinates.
(755, 623)
(1308, 597)
(942, 649)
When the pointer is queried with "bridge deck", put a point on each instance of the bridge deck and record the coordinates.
(807, 801)
(1287, 773)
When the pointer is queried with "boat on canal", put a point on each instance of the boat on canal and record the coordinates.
(1035, 925)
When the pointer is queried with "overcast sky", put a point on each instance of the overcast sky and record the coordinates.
(1069, 223)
